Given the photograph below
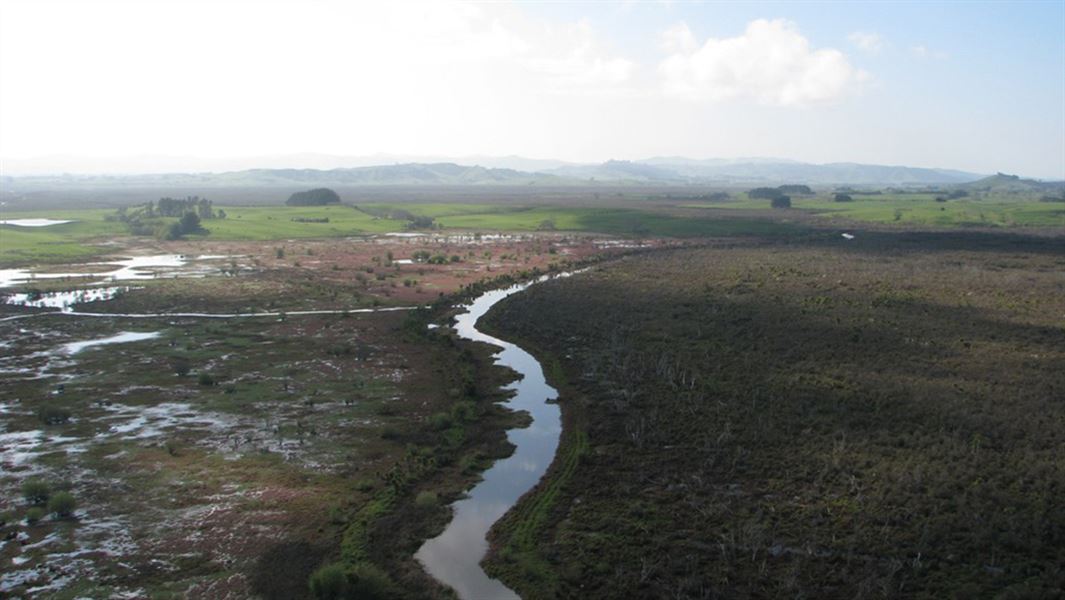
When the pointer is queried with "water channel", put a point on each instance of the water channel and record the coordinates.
(454, 556)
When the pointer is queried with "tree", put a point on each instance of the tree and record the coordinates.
(190, 223)
(315, 197)
(781, 202)
(843, 198)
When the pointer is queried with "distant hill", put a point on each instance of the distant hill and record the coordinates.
(621, 170)
(404, 174)
(770, 171)
(1012, 184)
(744, 172)
(764, 171)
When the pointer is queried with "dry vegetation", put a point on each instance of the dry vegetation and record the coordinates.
(880, 417)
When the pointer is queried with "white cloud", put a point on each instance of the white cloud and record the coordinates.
(922, 51)
(771, 63)
(329, 75)
(679, 39)
(867, 41)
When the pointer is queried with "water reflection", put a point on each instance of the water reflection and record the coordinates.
(454, 556)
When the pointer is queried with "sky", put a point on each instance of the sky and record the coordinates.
(976, 86)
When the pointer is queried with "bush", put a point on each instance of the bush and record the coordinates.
(329, 583)
(426, 500)
(781, 202)
(368, 582)
(34, 514)
(205, 379)
(180, 365)
(35, 491)
(440, 421)
(53, 415)
(843, 198)
(62, 504)
(363, 581)
(465, 411)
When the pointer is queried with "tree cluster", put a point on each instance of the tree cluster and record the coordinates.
(152, 218)
(315, 197)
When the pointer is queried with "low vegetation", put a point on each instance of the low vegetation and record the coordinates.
(826, 418)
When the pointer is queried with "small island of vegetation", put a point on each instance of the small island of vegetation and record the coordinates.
(315, 197)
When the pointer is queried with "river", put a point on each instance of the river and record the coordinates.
(454, 556)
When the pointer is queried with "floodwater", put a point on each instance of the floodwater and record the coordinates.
(122, 338)
(34, 222)
(138, 267)
(64, 301)
(454, 556)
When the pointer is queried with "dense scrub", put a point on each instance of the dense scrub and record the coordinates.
(874, 418)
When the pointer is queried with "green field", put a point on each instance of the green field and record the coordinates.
(916, 209)
(58, 243)
(20, 245)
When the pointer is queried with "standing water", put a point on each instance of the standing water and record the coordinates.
(454, 556)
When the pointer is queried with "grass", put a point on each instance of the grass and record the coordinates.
(55, 243)
(739, 217)
(276, 222)
(916, 209)
(72, 241)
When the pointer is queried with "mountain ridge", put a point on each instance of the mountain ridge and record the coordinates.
(655, 170)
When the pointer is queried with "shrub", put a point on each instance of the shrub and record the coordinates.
(440, 421)
(781, 202)
(34, 514)
(62, 504)
(180, 365)
(368, 582)
(53, 415)
(205, 379)
(329, 583)
(465, 411)
(35, 491)
(426, 499)
(843, 198)
(363, 581)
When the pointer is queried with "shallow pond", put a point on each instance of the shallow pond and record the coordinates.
(33, 222)
(64, 301)
(123, 269)
(454, 556)
(121, 338)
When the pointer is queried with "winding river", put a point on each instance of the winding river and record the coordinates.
(454, 556)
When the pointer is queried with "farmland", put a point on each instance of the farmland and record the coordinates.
(913, 209)
(675, 212)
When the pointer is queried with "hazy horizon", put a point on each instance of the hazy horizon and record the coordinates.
(160, 164)
(122, 86)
